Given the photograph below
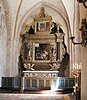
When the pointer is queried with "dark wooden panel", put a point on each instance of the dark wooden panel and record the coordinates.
(11, 82)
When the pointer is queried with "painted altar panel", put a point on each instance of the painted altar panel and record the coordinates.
(42, 51)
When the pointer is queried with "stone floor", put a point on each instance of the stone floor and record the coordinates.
(17, 96)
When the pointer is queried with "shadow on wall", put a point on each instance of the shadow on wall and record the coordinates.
(64, 66)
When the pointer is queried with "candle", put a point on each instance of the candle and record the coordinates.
(73, 67)
(80, 66)
(77, 66)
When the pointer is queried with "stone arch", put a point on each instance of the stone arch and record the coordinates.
(46, 5)
(34, 11)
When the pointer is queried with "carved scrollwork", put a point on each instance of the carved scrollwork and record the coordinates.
(41, 50)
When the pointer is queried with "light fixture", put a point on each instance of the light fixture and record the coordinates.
(83, 30)
(84, 2)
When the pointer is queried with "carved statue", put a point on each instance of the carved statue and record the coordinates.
(21, 66)
(64, 63)
(42, 12)
(25, 49)
(53, 52)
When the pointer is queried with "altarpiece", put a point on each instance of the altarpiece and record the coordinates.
(42, 49)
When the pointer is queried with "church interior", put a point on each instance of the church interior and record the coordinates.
(43, 49)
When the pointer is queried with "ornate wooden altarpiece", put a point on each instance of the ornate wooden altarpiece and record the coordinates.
(42, 45)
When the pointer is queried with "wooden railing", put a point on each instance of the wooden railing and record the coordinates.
(29, 83)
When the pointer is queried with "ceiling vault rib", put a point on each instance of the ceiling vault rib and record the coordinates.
(17, 17)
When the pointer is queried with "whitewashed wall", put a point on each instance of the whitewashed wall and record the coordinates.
(3, 41)
(83, 14)
(20, 10)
